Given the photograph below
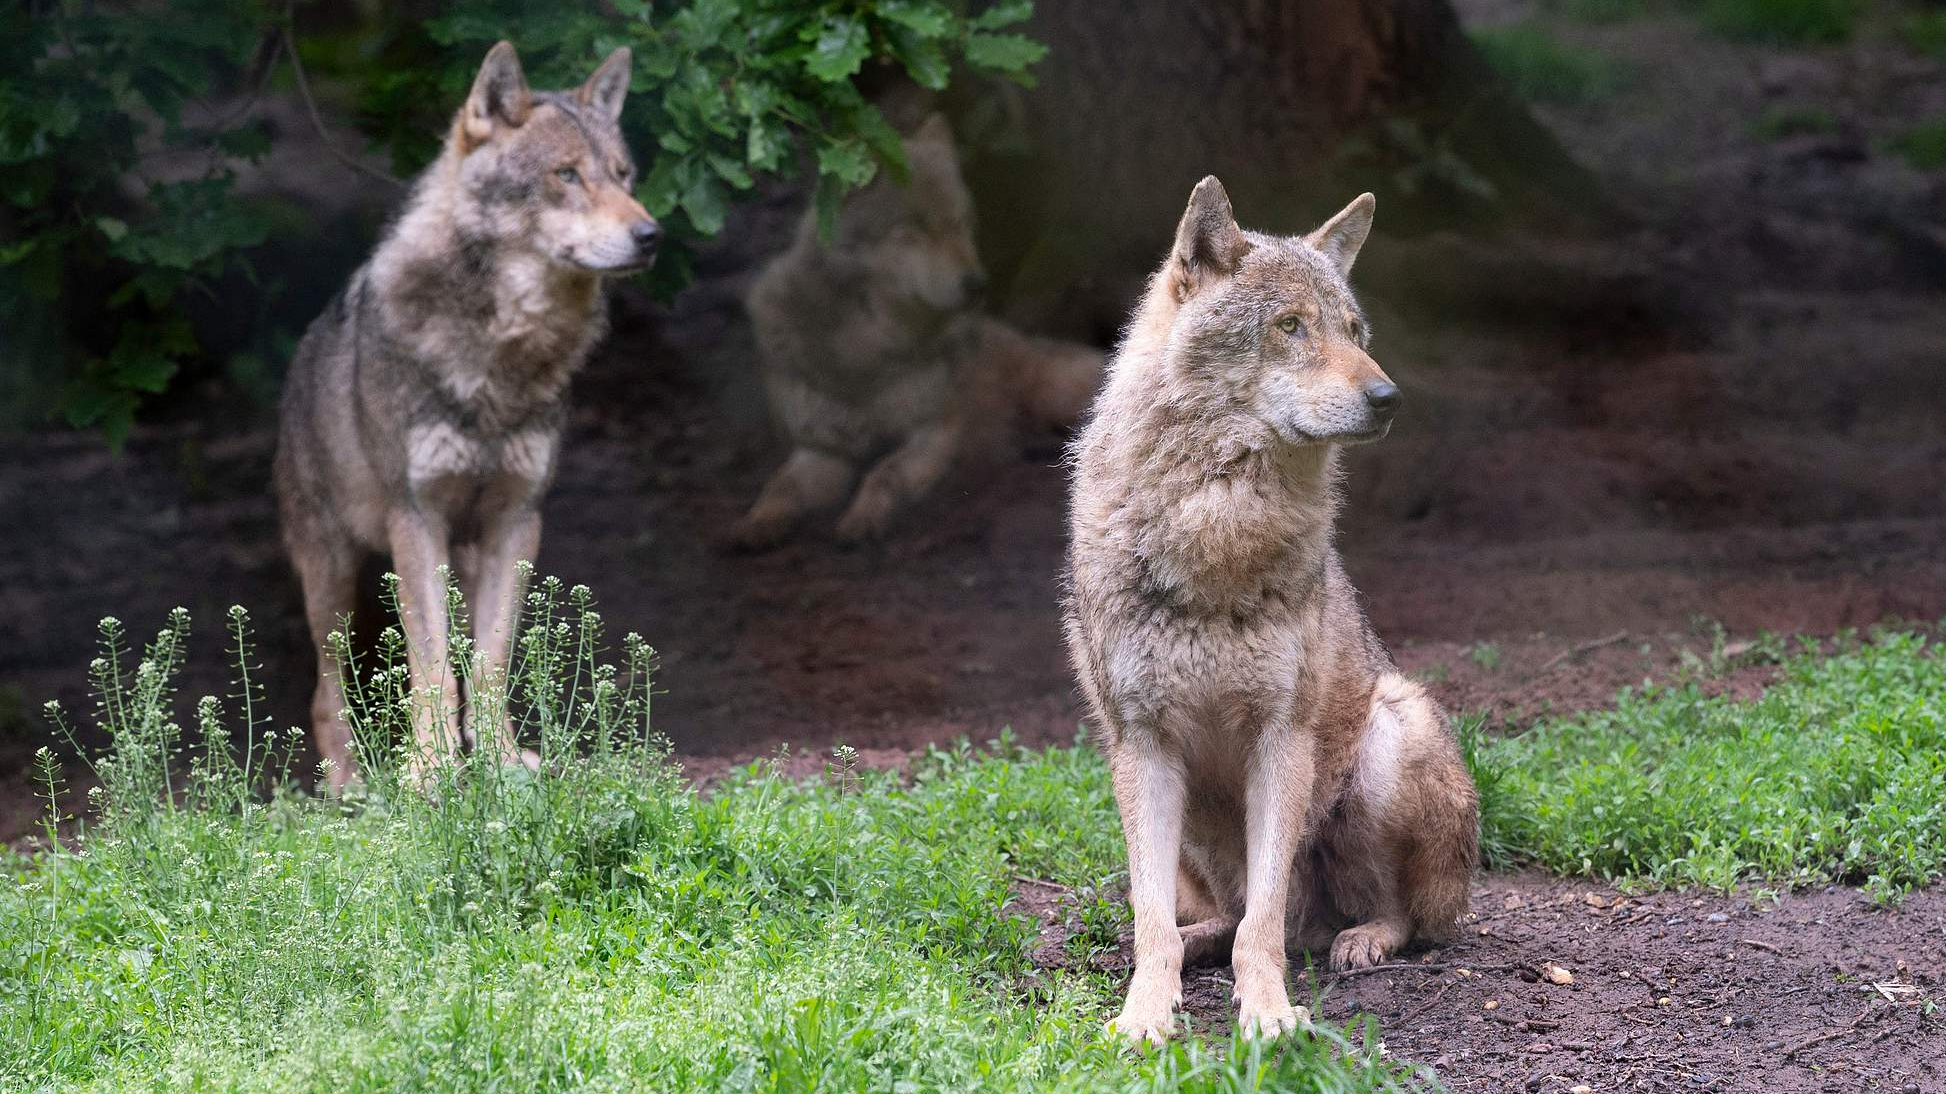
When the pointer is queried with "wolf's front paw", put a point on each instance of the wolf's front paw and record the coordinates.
(1273, 1020)
(865, 521)
(757, 532)
(1143, 1026)
(1363, 946)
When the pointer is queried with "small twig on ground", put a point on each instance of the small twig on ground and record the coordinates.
(1818, 1039)
(1414, 966)
(1526, 1025)
(1756, 945)
(1428, 1004)
(1583, 648)
(317, 120)
(1040, 883)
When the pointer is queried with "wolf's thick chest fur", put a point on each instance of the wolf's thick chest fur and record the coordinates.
(1278, 780)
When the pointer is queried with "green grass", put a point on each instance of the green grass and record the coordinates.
(1924, 145)
(1543, 70)
(1838, 773)
(1784, 22)
(603, 927)
(600, 928)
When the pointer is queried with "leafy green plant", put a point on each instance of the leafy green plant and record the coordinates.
(1833, 775)
(102, 248)
(1789, 22)
(1543, 70)
(100, 241)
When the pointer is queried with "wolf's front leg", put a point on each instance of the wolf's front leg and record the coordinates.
(809, 480)
(419, 557)
(1277, 798)
(1149, 792)
(492, 585)
(901, 478)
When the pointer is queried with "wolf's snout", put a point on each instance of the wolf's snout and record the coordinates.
(647, 235)
(973, 284)
(1383, 397)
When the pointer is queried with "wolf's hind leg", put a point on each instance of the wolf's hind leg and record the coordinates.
(1207, 927)
(809, 480)
(328, 572)
(1403, 849)
(901, 478)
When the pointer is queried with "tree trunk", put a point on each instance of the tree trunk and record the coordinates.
(1296, 106)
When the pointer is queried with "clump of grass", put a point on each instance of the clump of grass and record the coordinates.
(598, 926)
(1484, 654)
(1780, 121)
(1833, 775)
(1924, 145)
(1787, 22)
(1543, 70)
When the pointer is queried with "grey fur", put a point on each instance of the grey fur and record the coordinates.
(422, 412)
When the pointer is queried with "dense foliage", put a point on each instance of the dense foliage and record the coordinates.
(121, 133)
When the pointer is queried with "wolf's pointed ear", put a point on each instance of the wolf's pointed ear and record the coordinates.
(607, 89)
(499, 96)
(1342, 235)
(1209, 245)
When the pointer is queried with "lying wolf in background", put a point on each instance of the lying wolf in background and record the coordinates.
(875, 356)
(423, 410)
(1275, 773)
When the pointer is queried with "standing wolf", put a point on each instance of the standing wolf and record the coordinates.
(876, 358)
(1275, 773)
(423, 410)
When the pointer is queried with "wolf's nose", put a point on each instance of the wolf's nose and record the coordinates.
(973, 284)
(1383, 397)
(647, 234)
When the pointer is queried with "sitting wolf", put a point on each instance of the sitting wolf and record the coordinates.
(1277, 776)
(876, 358)
(423, 411)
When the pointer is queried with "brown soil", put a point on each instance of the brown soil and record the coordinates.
(1669, 992)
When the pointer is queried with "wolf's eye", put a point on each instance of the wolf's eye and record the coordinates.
(623, 171)
(1291, 324)
(568, 175)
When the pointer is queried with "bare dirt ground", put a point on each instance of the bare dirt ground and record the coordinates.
(1818, 991)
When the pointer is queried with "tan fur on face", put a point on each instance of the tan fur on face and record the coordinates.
(1277, 778)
